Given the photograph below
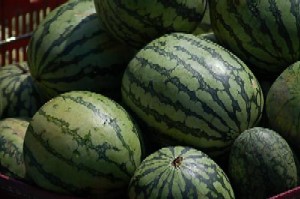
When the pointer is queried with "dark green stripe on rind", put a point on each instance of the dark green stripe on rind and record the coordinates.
(196, 177)
(12, 133)
(188, 86)
(18, 97)
(70, 50)
(282, 105)
(114, 124)
(263, 33)
(261, 164)
(96, 154)
(138, 22)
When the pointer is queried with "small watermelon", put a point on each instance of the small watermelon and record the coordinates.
(12, 133)
(18, 95)
(179, 172)
(261, 164)
(82, 143)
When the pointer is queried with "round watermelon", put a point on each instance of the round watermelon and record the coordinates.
(82, 143)
(179, 172)
(70, 50)
(18, 95)
(264, 33)
(12, 133)
(137, 22)
(193, 92)
(261, 164)
(282, 105)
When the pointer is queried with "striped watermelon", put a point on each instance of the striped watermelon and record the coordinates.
(193, 92)
(282, 105)
(209, 36)
(137, 22)
(12, 133)
(18, 96)
(179, 172)
(261, 164)
(82, 143)
(69, 50)
(265, 33)
(205, 25)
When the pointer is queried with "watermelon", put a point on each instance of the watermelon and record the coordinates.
(193, 92)
(70, 50)
(137, 22)
(205, 25)
(18, 96)
(82, 143)
(179, 172)
(210, 36)
(12, 133)
(282, 105)
(264, 33)
(261, 164)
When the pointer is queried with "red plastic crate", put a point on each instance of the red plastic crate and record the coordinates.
(290, 194)
(18, 18)
(12, 188)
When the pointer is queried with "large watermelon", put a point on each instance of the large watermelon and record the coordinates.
(137, 22)
(282, 105)
(82, 143)
(18, 96)
(12, 133)
(192, 92)
(262, 32)
(261, 164)
(180, 173)
(69, 50)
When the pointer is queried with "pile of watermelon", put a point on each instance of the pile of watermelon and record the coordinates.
(157, 99)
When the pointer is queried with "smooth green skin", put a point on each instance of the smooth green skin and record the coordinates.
(192, 92)
(12, 133)
(137, 22)
(82, 143)
(282, 105)
(70, 50)
(261, 32)
(261, 164)
(196, 176)
(18, 96)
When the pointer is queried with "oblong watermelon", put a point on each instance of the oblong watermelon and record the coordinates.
(70, 50)
(264, 33)
(82, 143)
(180, 173)
(137, 22)
(192, 92)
